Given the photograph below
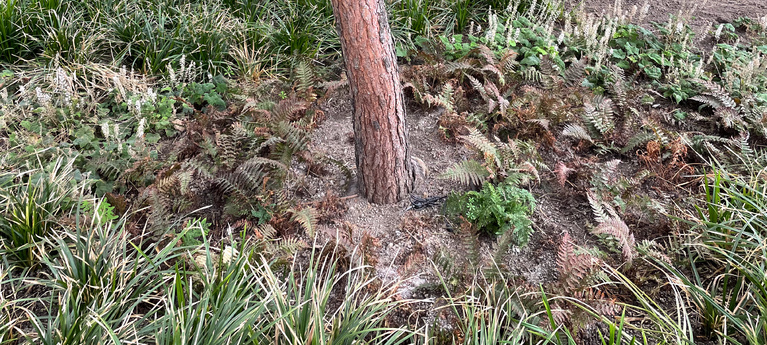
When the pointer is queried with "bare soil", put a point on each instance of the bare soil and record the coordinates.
(409, 239)
(702, 12)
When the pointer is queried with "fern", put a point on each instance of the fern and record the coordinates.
(661, 135)
(618, 86)
(728, 117)
(509, 62)
(444, 100)
(305, 80)
(637, 140)
(270, 243)
(715, 96)
(548, 67)
(487, 54)
(287, 109)
(228, 186)
(483, 145)
(495, 71)
(576, 270)
(598, 207)
(469, 243)
(454, 67)
(549, 73)
(654, 250)
(611, 224)
(478, 120)
(725, 107)
(477, 86)
(615, 227)
(504, 242)
(257, 162)
(469, 172)
(258, 145)
(496, 210)
(575, 73)
(532, 75)
(295, 140)
(577, 132)
(307, 217)
(227, 149)
(600, 117)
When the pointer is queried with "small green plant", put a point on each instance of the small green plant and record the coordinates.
(194, 231)
(496, 210)
(104, 212)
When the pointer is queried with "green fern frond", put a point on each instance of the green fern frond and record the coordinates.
(307, 217)
(304, 76)
(478, 120)
(296, 140)
(483, 145)
(469, 172)
(637, 140)
(601, 117)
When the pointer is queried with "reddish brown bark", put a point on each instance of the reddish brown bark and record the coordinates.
(384, 171)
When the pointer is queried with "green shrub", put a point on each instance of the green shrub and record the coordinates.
(496, 209)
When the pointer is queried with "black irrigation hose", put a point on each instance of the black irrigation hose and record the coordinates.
(417, 203)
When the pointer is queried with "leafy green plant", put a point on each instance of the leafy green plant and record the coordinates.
(12, 39)
(104, 212)
(489, 313)
(30, 206)
(302, 313)
(100, 282)
(496, 210)
(219, 298)
(194, 231)
(732, 302)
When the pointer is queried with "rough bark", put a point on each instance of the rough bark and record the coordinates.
(384, 171)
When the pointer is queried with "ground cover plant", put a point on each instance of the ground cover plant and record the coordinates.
(179, 172)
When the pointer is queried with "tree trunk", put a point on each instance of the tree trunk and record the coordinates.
(384, 171)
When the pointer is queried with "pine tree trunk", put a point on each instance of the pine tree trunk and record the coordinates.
(384, 171)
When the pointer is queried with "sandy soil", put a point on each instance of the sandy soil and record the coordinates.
(702, 12)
